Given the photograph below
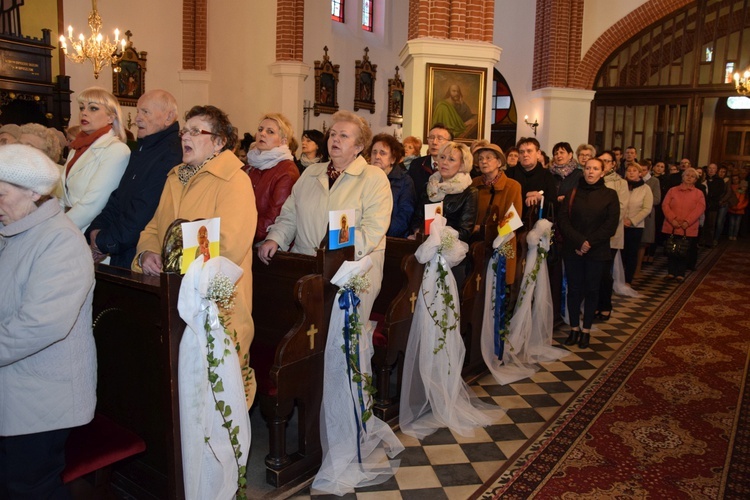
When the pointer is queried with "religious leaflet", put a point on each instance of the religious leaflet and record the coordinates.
(430, 211)
(511, 221)
(341, 228)
(200, 239)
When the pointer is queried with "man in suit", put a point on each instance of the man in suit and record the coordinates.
(115, 231)
(423, 167)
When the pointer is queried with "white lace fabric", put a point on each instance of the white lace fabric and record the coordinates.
(341, 412)
(208, 457)
(529, 338)
(433, 394)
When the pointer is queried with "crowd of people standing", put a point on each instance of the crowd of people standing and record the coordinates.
(114, 204)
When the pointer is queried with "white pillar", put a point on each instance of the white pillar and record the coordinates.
(194, 90)
(414, 58)
(290, 78)
(563, 115)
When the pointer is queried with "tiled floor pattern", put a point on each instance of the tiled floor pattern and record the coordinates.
(448, 466)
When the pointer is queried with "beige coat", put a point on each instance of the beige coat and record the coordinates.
(620, 186)
(304, 216)
(219, 189)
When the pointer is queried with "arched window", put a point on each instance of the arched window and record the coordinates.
(367, 15)
(503, 114)
(337, 10)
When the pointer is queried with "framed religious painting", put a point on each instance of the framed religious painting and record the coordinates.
(364, 77)
(455, 97)
(395, 99)
(326, 85)
(129, 74)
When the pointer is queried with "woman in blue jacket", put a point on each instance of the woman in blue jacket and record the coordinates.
(386, 152)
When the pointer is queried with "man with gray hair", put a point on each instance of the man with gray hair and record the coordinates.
(115, 231)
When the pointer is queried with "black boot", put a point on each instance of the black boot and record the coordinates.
(584, 343)
(573, 337)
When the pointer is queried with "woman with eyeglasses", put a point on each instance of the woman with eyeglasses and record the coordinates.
(210, 183)
(97, 159)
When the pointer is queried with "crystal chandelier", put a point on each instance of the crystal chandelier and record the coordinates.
(100, 51)
(742, 83)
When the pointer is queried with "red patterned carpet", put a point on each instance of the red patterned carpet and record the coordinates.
(668, 417)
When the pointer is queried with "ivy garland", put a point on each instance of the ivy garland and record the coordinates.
(222, 292)
(443, 292)
(357, 285)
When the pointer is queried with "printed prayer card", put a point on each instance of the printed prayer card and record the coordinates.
(430, 210)
(200, 239)
(341, 228)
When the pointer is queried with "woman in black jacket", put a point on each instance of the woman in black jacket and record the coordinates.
(588, 219)
(451, 184)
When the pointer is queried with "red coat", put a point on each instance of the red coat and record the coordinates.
(684, 204)
(272, 187)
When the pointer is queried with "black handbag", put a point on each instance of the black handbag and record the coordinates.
(676, 245)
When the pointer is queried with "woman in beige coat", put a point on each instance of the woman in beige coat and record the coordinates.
(210, 183)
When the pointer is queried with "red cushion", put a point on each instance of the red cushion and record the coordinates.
(378, 339)
(98, 444)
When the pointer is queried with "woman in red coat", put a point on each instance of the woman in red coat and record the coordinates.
(682, 208)
(272, 170)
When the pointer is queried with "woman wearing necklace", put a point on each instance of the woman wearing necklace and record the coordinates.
(97, 159)
(210, 183)
(272, 170)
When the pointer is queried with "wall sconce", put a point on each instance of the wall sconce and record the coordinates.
(532, 125)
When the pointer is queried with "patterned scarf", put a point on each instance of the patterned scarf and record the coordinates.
(565, 169)
(333, 174)
(82, 142)
(437, 188)
(186, 172)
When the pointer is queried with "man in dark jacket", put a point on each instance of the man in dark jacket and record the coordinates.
(423, 167)
(115, 231)
(715, 191)
(536, 181)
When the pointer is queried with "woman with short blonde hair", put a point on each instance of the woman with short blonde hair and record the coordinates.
(272, 169)
(97, 158)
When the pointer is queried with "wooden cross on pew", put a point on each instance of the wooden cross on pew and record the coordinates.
(311, 333)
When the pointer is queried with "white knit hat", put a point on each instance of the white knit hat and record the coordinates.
(28, 167)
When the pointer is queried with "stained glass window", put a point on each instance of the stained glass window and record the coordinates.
(367, 15)
(337, 10)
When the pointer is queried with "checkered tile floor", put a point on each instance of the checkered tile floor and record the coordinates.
(445, 465)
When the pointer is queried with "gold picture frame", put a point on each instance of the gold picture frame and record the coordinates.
(326, 85)
(364, 88)
(395, 99)
(129, 74)
(455, 97)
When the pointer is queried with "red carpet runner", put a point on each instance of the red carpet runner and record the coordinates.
(668, 417)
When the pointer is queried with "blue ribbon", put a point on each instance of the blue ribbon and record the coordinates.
(348, 299)
(500, 293)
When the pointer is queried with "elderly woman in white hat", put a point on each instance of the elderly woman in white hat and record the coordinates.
(47, 351)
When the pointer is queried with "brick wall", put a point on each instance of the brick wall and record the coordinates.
(194, 31)
(290, 24)
(452, 19)
(557, 42)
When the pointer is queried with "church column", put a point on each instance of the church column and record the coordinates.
(557, 55)
(194, 79)
(452, 32)
(289, 69)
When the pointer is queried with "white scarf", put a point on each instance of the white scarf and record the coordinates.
(437, 188)
(263, 160)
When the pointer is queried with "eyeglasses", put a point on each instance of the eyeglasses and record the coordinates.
(194, 132)
(606, 161)
(437, 138)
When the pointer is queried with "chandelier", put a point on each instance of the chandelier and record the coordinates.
(742, 83)
(97, 49)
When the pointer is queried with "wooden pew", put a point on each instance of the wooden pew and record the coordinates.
(472, 295)
(138, 331)
(394, 309)
(292, 299)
